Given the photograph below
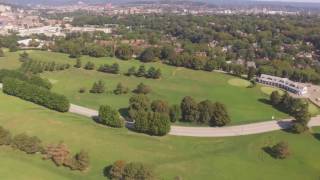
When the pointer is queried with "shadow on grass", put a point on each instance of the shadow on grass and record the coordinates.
(317, 136)
(106, 170)
(265, 101)
(269, 151)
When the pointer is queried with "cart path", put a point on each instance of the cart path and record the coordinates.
(238, 130)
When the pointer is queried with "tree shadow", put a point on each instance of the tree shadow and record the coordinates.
(269, 151)
(106, 170)
(265, 101)
(317, 136)
(96, 119)
(124, 112)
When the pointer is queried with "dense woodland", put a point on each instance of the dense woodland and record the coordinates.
(286, 46)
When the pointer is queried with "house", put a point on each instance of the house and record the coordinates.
(283, 83)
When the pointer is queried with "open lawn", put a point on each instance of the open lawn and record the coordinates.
(191, 158)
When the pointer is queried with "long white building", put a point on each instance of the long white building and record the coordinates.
(283, 83)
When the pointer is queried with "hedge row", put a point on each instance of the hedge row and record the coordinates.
(35, 94)
(31, 79)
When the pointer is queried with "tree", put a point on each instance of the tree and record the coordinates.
(175, 113)
(141, 120)
(275, 98)
(24, 57)
(120, 89)
(280, 150)
(1, 52)
(189, 109)
(98, 87)
(89, 66)
(78, 63)
(160, 106)
(141, 71)
(147, 55)
(151, 72)
(205, 109)
(124, 52)
(5, 136)
(220, 115)
(142, 89)
(139, 102)
(110, 117)
(131, 71)
(251, 73)
(159, 124)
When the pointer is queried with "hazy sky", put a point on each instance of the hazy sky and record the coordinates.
(293, 0)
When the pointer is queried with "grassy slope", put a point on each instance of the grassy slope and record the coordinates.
(191, 158)
(244, 104)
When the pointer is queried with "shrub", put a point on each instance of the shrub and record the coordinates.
(117, 170)
(134, 170)
(5, 136)
(35, 94)
(142, 89)
(137, 170)
(175, 113)
(79, 162)
(27, 144)
(82, 90)
(59, 154)
(89, 66)
(280, 150)
(110, 117)
(78, 63)
(98, 87)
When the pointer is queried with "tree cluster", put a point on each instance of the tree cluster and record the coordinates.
(35, 94)
(35, 67)
(296, 107)
(61, 156)
(149, 117)
(205, 112)
(98, 87)
(113, 69)
(152, 72)
(121, 89)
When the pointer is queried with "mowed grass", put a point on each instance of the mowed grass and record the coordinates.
(170, 156)
(244, 104)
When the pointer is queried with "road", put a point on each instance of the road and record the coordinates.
(239, 130)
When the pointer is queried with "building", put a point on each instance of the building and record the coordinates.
(283, 83)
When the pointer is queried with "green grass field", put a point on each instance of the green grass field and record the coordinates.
(244, 104)
(191, 158)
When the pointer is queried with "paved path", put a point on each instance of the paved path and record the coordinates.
(239, 130)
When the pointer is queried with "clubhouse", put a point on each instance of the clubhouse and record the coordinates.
(283, 83)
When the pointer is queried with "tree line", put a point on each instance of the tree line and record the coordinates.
(35, 94)
(59, 154)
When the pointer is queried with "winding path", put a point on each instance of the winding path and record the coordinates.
(239, 130)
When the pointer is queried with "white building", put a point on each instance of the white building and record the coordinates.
(283, 83)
